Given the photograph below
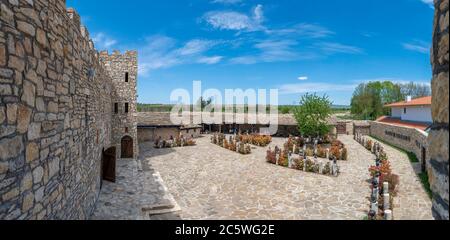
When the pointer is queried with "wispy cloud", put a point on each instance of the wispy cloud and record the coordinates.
(103, 41)
(236, 21)
(303, 78)
(162, 52)
(429, 3)
(303, 30)
(417, 46)
(333, 48)
(272, 51)
(301, 88)
(210, 60)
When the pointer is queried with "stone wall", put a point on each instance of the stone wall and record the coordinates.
(152, 134)
(363, 130)
(409, 139)
(438, 139)
(123, 69)
(56, 103)
(146, 134)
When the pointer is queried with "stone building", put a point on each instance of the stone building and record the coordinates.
(123, 70)
(438, 137)
(59, 131)
(155, 125)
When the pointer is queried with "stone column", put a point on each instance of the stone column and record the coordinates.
(438, 137)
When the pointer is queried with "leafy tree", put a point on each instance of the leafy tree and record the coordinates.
(369, 98)
(312, 115)
(203, 103)
(285, 109)
(415, 90)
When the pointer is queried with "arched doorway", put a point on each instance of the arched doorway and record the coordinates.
(108, 172)
(126, 147)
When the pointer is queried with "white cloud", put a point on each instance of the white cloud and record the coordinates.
(258, 13)
(196, 46)
(103, 42)
(301, 88)
(229, 20)
(210, 60)
(429, 3)
(164, 52)
(303, 78)
(236, 21)
(417, 46)
(304, 30)
(270, 51)
(333, 48)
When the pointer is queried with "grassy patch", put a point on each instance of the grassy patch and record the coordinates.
(426, 184)
(413, 158)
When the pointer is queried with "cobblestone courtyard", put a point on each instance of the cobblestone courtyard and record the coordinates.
(209, 182)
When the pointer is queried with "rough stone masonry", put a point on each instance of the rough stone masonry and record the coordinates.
(438, 138)
(58, 97)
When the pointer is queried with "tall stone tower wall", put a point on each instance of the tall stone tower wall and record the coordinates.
(123, 69)
(56, 112)
(438, 138)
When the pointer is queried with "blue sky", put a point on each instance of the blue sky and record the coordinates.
(296, 46)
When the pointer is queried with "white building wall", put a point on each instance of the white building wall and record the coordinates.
(397, 112)
(417, 114)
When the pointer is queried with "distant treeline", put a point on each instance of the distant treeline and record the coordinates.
(284, 109)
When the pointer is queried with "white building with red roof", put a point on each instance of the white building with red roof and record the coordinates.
(414, 113)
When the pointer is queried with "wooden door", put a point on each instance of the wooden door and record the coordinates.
(342, 128)
(109, 165)
(127, 147)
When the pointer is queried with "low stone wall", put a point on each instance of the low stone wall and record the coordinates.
(152, 134)
(361, 130)
(409, 139)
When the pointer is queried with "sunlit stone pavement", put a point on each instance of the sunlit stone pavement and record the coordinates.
(209, 182)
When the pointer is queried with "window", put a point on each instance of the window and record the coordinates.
(126, 130)
(127, 77)
(127, 108)
(116, 107)
(404, 110)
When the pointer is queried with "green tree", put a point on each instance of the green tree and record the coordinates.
(370, 98)
(312, 115)
(203, 103)
(285, 109)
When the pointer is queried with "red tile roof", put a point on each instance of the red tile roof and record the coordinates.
(398, 122)
(424, 101)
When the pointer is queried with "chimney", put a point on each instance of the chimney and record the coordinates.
(408, 99)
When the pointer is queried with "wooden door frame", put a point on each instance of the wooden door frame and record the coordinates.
(109, 157)
(124, 152)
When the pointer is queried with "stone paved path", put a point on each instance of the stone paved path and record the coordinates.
(210, 182)
(412, 201)
(135, 188)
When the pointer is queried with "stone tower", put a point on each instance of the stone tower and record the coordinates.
(123, 70)
(438, 138)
